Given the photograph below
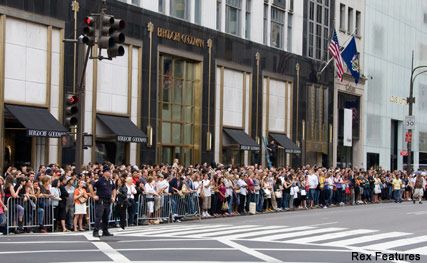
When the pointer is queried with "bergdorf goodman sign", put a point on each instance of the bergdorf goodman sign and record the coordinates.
(179, 37)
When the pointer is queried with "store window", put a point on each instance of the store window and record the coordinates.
(277, 27)
(136, 2)
(109, 150)
(179, 107)
(289, 40)
(232, 16)
(180, 9)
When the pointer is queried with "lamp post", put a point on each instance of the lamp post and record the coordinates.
(411, 100)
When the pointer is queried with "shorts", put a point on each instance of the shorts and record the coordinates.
(418, 192)
(311, 193)
(157, 202)
(207, 203)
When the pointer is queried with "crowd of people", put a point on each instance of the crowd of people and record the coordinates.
(220, 190)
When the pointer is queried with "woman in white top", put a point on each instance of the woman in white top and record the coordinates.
(131, 200)
(150, 192)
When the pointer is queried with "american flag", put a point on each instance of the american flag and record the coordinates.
(334, 49)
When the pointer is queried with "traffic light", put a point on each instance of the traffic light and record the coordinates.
(89, 31)
(115, 33)
(408, 136)
(71, 110)
(105, 41)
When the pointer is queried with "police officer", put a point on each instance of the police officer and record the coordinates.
(104, 197)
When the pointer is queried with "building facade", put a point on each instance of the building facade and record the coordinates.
(198, 88)
(392, 32)
(349, 21)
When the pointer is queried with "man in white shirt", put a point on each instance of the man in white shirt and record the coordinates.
(206, 193)
(241, 184)
(313, 181)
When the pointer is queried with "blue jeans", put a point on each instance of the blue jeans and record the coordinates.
(260, 204)
(40, 216)
(328, 196)
(316, 196)
(230, 204)
(396, 195)
(285, 200)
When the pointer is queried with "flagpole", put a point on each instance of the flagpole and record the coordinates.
(329, 61)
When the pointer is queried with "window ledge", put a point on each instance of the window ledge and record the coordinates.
(342, 30)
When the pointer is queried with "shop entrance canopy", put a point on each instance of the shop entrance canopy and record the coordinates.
(244, 140)
(285, 142)
(39, 122)
(123, 128)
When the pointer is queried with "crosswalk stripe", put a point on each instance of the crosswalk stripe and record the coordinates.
(285, 230)
(140, 229)
(252, 234)
(206, 229)
(177, 228)
(331, 236)
(419, 250)
(225, 232)
(298, 233)
(363, 239)
(396, 243)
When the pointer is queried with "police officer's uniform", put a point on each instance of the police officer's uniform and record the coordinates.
(104, 190)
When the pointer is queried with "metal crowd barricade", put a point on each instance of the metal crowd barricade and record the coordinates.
(29, 213)
(185, 206)
(153, 208)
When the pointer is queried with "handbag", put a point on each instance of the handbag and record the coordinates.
(377, 189)
(267, 193)
(82, 200)
(224, 206)
(278, 194)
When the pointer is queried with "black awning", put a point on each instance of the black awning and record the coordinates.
(123, 128)
(39, 122)
(244, 140)
(285, 142)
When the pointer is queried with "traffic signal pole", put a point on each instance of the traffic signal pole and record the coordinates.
(81, 91)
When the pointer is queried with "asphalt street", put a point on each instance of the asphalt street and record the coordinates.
(318, 235)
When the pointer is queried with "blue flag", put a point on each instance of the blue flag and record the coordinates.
(351, 58)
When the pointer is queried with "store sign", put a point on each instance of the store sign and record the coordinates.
(296, 151)
(249, 148)
(179, 37)
(398, 100)
(49, 134)
(122, 138)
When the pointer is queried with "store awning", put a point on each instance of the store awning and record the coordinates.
(285, 142)
(39, 122)
(244, 140)
(123, 128)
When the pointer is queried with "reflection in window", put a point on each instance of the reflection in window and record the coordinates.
(248, 19)
(178, 82)
(232, 16)
(277, 27)
(198, 12)
(318, 29)
(218, 15)
(162, 6)
(180, 9)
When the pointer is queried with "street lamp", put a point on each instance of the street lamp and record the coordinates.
(411, 101)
